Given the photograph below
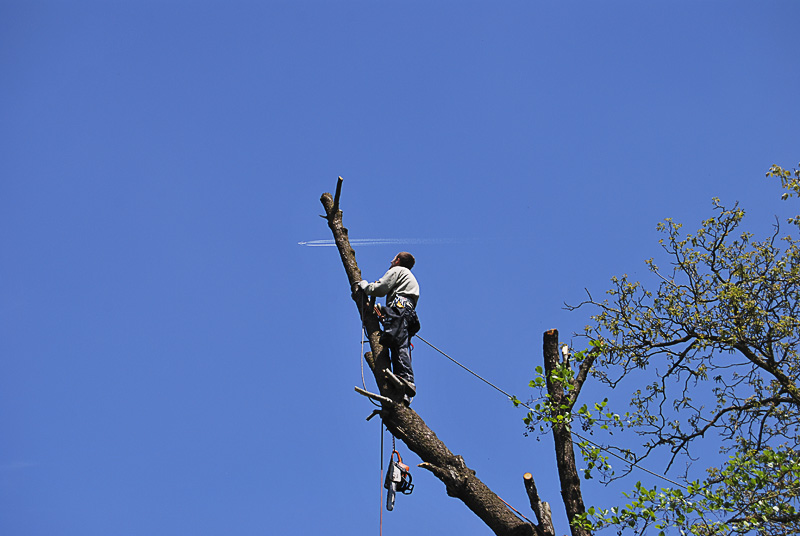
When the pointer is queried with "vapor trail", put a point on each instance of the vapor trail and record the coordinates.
(376, 242)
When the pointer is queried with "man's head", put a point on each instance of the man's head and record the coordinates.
(404, 259)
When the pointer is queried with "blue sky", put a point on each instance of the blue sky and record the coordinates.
(173, 362)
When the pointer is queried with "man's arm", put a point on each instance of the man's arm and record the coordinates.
(382, 286)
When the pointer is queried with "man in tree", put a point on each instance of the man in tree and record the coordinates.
(399, 318)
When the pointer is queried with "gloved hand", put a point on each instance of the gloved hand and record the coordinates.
(363, 284)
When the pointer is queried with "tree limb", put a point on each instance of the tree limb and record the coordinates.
(539, 507)
(583, 372)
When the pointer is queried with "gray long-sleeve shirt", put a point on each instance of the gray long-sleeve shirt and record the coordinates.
(397, 281)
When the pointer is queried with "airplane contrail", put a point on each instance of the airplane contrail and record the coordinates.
(375, 242)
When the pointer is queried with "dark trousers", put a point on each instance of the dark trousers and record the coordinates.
(396, 323)
(400, 350)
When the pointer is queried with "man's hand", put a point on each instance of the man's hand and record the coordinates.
(363, 284)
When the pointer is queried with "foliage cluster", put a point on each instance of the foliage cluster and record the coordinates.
(712, 352)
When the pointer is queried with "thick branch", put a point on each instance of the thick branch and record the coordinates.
(404, 423)
(787, 383)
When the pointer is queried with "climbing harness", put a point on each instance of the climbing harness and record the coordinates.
(400, 312)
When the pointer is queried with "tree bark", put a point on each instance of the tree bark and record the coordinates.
(403, 422)
(539, 507)
(562, 436)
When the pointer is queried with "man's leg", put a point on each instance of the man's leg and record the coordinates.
(401, 356)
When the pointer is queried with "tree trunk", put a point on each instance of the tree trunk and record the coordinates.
(562, 436)
(403, 422)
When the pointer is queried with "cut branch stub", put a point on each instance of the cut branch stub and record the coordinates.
(539, 507)
(338, 195)
(346, 252)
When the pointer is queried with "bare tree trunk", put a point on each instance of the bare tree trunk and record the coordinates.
(562, 435)
(404, 423)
